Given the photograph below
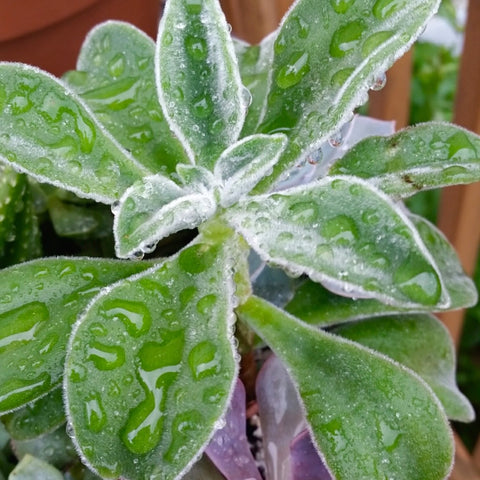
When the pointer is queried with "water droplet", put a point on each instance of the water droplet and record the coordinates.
(460, 148)
(95, 413)
(292, 73)
(336, 140)
(390, 437)
(21, 325)
(202, 107)
(280, 45)
(304, 213)
(374, 41)
(341, 6)
(418, 281)
(206, 304)
(204, 360)
(141, 134)
(384, 9)
(197, 258)
(246, 97)
(138, 255)
(379, 82)
(20, 104)
(167, 39)
(303, 28)
(214, 395)
(116, 66)
(341, 230)
(85, 130)
(196, 48)
(370, 217)
(115, 207)
(194, 6)
(106, 357)
(346, 38)
(187, 295)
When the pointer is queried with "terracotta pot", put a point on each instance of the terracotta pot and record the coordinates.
(49, 33)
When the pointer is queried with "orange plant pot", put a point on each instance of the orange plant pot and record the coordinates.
(49, 33)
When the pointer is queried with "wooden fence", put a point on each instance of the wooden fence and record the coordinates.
(459, 215)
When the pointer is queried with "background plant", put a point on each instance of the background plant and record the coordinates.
(197, 131)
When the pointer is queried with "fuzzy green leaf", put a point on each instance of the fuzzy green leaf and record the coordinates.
(198, 80)
(314, 304)
(116, 79)
(418, 158)
(37, 418)
(327, 56)
(312, 229)
(153, 209)
(421, 343)
(241, 166)
(255, 62)
(40, 302)
(49, 133)
(167, 333)
(370, 417)
(32, 468)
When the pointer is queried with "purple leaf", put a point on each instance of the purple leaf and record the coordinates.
(229, 449)
(305, 460)
(281, 417)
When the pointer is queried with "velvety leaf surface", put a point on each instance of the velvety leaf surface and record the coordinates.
(326, 56)
(55, 448)
(245, 163)
(40, 302)
(198, 80)
(281, 415)
(312, 229)
(37, 418)
(422, 157)
(255, 62)
(419, 342)
(306, 463)
(136, 357)
(48, 131)
(153, 209)
(370, 417)
(32, 468)
(116, 79)
(19, 232)
(229, 449)
(316, 305)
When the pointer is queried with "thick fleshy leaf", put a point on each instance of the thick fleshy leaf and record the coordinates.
(314, 230)
(426, 156)
(198, 79)
(19, 232)
(255, 62)
(370, 417)
(326, 58)
(32, 468)
(281, 415)
(40, 302)
(48, 131)
(166, 333)
(153, 209)
(245, 163)
(316, 305)
(306, 462)
(421, 343)
(42, 416)
(116, 79)
(228, 449)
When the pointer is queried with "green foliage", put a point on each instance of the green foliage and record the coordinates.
(170, 138)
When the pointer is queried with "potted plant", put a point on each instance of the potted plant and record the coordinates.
(49, 34)
(197, 132)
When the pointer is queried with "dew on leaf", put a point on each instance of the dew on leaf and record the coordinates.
(206, 303)
(194, 6)
(336, 140)
(460, 147)
(186, 295)
(77, 372)
(95, 413)
(196, 259)
(142, 134)
(379, 82)
(116, 66)
(292, 73)
(384, 9)
(303, 28)
(341, 6)
(20, 104)
(202, 107)
(346, 38)
(106, 357)
(167, 39)
(304, 213)
(196, 48)
(246, 97)
(16, 388)
(374, 41)
(341, 230)
(204, 360)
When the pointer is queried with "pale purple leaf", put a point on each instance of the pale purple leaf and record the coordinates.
(229, 449)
